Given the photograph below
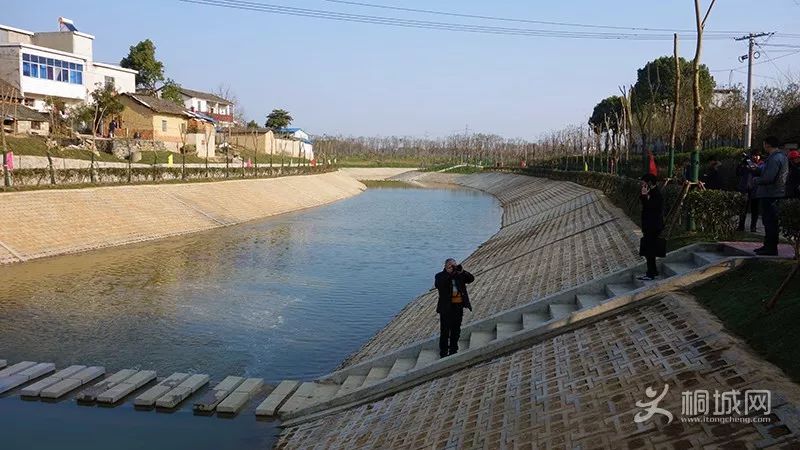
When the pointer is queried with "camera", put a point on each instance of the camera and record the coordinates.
(459, 268)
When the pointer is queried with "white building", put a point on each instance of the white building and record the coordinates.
(212, 105)
(306, 146)
(57, 64)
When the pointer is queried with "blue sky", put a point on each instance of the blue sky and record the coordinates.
(362, 79)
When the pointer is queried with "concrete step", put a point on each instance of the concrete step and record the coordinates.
(535, 319)
(120, 390)
(589, 300)
(506, 329)
(3, 363)
(270, 405)
(678, 268)
(426, 357)
(237, 399)
(149, 397)
(705, 258)
(615, 290)
(558, 311)
(308, 394)
(401, 365)
(350, 384)
(480, 338)
(182, 391)
(463, 344)
(375, 375)
(211, 399)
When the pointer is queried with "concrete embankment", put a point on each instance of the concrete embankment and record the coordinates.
(53, 222)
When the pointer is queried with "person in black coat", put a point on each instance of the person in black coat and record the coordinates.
(652, 245)
(453, 298)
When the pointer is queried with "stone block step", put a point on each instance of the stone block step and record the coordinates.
(375, 375)
(401, 365)
(705, 258)
(182, 391)
(149, 397)
(74, 381)
(34, 389)
(558, 311)
(218, 393)
(678, 268)
(506, 329)
(90, 394)
(309, 393)
(3, 363)
(244, 392)
(480, 338)
(426, 357)
(616, 290)
(275, 398)
(535, 319)
(589, 300)
(121, 389)
(350, 384)
(463, 344)
(18, 367)
(23, 376)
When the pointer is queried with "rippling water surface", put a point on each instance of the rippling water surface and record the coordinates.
(285, 297)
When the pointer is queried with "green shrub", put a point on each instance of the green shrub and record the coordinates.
(789, 220)
(715, 212)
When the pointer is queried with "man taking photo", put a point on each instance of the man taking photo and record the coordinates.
(453, 298)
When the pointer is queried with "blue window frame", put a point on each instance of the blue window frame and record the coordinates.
(34, 58)
(35, 70)
(42, 71)
(26, 69)
(52, 69)
(26, 57)
(50, 62)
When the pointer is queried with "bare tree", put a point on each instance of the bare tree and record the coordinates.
(698, 105)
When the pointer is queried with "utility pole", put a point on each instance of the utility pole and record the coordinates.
(751, 38)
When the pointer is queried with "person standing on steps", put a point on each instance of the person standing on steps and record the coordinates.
(770, 189)
(651, 245)
(453, 298)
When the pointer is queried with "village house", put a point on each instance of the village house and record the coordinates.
(305, 146)
(153, 118)
(216, 107)
(56, 65)
(266, 141)
(18, 118)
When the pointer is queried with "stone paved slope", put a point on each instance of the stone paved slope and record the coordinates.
(578, 390)
(36, 224)
(555, 235)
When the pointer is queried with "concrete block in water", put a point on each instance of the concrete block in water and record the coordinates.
(74, 381)
(34, 389)
(234, 402)
(126, 386)
(18, 367)
(90, 394)
(210, 401)
(270, 405)
(149, 397)
(3, 363)
(182, 391)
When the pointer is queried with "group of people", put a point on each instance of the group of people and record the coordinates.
(767, 181)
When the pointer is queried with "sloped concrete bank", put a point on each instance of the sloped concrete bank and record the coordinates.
(37, 224)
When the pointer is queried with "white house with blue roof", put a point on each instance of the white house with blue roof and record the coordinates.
(306, 147)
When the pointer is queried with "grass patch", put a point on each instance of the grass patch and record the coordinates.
(736, 298)
(685, 238)
(390, 184)
(35, 146)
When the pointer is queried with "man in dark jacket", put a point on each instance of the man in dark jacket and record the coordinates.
(771, 188)
(453, 298)
(651, 244)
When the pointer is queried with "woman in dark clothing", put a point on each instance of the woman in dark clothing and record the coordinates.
(746, 171)
(652, 245)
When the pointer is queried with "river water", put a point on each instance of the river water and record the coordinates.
(286, 297)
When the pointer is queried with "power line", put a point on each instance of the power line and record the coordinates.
(441, 26)
(519, 20)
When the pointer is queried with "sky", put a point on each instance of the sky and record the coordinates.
(374, 80)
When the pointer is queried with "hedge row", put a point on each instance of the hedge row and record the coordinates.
(42, 177)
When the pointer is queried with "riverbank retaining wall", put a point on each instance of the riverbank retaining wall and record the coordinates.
(37, 224)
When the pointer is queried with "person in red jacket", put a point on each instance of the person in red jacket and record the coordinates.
(453, 298)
